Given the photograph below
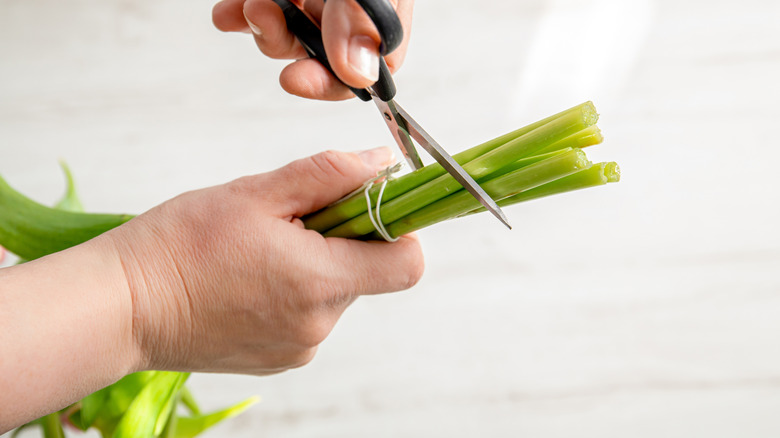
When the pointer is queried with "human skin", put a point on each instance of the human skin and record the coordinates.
(350, 39)
(222, 279)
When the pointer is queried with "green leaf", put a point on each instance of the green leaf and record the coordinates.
(189, 401)
(172, 421)
(120, 395)
(70, 201)
(188, 427)
(90, 406)
(52, 428)
(167, 415)
(32, 230)
(142, 418)
(123, 392)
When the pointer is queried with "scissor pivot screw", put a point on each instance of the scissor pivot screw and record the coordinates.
(388, 116)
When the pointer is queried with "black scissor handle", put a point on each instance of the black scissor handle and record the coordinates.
(387, 23)
(310, 37)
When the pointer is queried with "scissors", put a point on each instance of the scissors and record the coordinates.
(402, 126)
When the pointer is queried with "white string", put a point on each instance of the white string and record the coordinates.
(385, 175)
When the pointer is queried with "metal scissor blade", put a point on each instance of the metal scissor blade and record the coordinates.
(447, 162)
(398, 129)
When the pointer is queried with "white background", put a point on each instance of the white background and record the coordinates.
(648, 308)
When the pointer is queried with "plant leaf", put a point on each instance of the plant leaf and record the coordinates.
(91, 405)
(32, 230)
(189, 401)
(52, 428)
(70, 201)
(142, 416)
(120, 395)
(167, 415)
(172, 421)
(123, 392)
(188, 427)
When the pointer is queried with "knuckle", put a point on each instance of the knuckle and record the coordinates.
(309, 283)
(338, 300)
(279, 47)
(314, 321)
(272, 51)
(324, 291)
(239, 186)
(329, 161)
(328, 165)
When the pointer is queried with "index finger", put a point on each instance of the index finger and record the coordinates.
(228, 16)
(266, 20)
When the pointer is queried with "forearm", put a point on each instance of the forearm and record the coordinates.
(65, 330)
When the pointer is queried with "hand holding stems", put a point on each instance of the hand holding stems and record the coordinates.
(243, 287)
(350, 38)
(223, 279)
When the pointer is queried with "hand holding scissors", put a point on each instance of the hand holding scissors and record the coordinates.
(402, 126)
(349, 36)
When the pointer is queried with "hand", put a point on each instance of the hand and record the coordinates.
(350, 38)
(226, 279)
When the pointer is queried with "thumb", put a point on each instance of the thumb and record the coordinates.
(351, 42)
(309, 184)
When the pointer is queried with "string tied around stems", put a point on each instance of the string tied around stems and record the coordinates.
(375, 215)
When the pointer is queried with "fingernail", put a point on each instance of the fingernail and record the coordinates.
(363, 57)
(377, 158)
(252, 26)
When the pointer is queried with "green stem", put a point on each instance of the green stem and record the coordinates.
(349, 208)
(596, 175)
(70, 201)
(523, 162)
(589, 136)
(501, 187)
(491, 162)
(189, 401)
(169, 430)
(52, 427)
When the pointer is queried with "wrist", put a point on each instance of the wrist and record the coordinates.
(152, 285)
(104, 258)
(124, 282)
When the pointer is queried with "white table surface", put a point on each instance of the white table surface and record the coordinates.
(649, 308)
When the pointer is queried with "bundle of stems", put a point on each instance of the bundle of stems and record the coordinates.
(541, 159)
